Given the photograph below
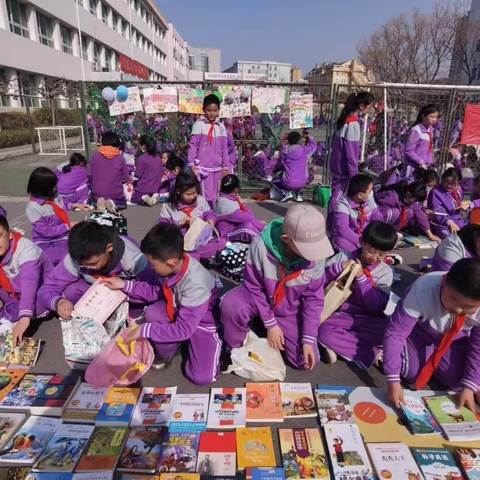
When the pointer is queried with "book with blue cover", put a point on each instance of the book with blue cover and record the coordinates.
(117, 408)
(268, 474)
(419, 419)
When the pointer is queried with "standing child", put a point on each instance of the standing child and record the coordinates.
(72, 184)
(50, 222)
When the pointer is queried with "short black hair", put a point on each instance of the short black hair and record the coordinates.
(464, 277)
(163, 242)
(418, 190)
(293, 138)
(229, 184)
(173, 162)
(359, 183)
(76, 158)
(42, 183)
(149, 143)
(4, 223)
(380, 236)
(428, 176)
(185, 181)
(88, 238)
(469, 235)
(451, 173)
(209, 99)
(111, 139)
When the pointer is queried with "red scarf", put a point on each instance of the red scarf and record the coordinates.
(168, 291)
(5, 282)
(280, 290)
(188, 211)
(362, 218)
(430, 136)
(403, 218)
(369, 275)
(457, 198)
(211, 132)
(59, 212)
(242, 206)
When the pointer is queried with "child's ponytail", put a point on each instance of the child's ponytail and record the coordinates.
(149, 143)
(353, 103)
(75, 160)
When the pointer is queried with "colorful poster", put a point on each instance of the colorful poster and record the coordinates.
(236, 101)
(190, 100)
(268, 100)
(160, 100)
(301, 110)
(132, 104)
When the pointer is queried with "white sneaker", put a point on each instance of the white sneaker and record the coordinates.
(101, 204)
(330, 354)
(110, 205)
(288, 196)
(154, 199)
(299, 198)
(146, 199)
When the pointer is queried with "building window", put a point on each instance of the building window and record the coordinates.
(45, 30)
(85, 47)
(93, 7)
(115, 20)
(17, 17)
(125, 28)
(66, 40)
(104, 13)
(29, 91)
(96, 57)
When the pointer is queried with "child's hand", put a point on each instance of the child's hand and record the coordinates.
(275, 338)
(347, 264)
(225, 171)
(65, 309)
(454, 228)
(395, 394)
(433, 237)
(114, 283)
(309, 357)
(19, 329)
(466, 205)
(466, 398)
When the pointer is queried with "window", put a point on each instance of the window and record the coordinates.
(125, 28)
(17, 17)
(66, 39)
(85, 47)
(29, 91)
(115, 20)
(105, 11)
(96, 56)
(45, 30)
(93, 7)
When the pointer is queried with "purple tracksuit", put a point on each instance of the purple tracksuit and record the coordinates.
(266, 162)
(48, 231)
(450, 250)
(209, 153)
(26, 268)
(73, 186)
(232, 150)
(418, 150)
(234, 223)
(3, 212)
(195, 321)
(415, 331)
(149, 170)
(356, 330)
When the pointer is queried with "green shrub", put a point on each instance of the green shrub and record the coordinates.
(42, 117)
(13, 120)
(69, 117)
(14, 138)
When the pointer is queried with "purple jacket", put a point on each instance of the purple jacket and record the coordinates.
(449, 251)
(149, 170)
(294, 161)
(73, 186)
(232, 150)
(3, 212)
(346, 149)
(418, 148)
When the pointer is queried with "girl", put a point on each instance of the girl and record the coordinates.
(235, 221)
(50, 222)
(173, 167)
(72, 184)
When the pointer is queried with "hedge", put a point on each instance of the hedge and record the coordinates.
(41, 117)
(14, 138)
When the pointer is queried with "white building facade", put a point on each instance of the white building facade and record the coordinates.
(274, 72)
(205, 59)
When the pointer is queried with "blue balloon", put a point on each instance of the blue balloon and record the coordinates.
(122, 93)
(108, 94)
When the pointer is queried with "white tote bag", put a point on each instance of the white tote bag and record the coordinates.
(199, 233)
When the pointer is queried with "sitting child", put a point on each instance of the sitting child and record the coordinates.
(356, 330)
(185, 296)
(174, 166)
(72, 184)
(283, 285)
(430, 179)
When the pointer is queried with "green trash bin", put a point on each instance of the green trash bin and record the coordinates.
(321, 195)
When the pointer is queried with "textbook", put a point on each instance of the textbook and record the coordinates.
(227, 408)
(93, 476)
(85, 404)
(267, 474)
(217, 453)
(264, 402)
(176, 476)
(117, 408)
(189, 412)
(154, 406)
(297, 400)
(393, 461)
(25, 354)
(419, 419)
(255, 447)
(436, 463)
(469, 460)
(333, 404)
(9, 424)
(9, 378)
(179, 453)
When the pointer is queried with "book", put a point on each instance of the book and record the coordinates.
(297, 400)
(103, 449)
(179, 476)
(48, 476)
(28, 442)
(25, 354)
(437, 464)
(93, 476)
(85, 404)
(189, 412)
(9, 378)
(469, 460)
(142, 450)
(9, 424)
(217, 453)
(118, 406)
(419, 242)
(303, 455)
(333, 404)
(393, 461)
(227, 408)
(264, 402)
(262, 473)
(154, 406)
(457, 424)
(418, 418)
(64, 449)
(179, 453)
(347, 452)
(255, 447)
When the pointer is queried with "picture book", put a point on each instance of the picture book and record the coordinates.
(437, 464)
(347, 452)
(9, 378)
(25, 354)
(469, 460)
(24, 393)
(28, 442)
(64, 449)
(419, 419)
(227, 408)
(103, 449)
(189, 412)
(9, 424)
(93, 476)
(85, 404)
(419, 242)
(179, 476)
(297, 400)
(333, 404)
(179, 453)
(393, 461)
(255, 447)
(47, 476)
(118, 406)
(267, 474)
(154, 406)
(264, 402)
(303, 455)
(217, 453)
(142, 449)
(55, 396)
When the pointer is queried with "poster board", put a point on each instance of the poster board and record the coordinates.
(236, 101)
(160, 100)
(268, 100)
(301, 110)
(190, 100)
(132, 104)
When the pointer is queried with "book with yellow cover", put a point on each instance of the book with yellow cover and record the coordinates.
(9, 379)
(255, 447)
(179, 476)
(118, 406)
(264, 402)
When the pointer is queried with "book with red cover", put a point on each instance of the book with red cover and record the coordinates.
(217, 454)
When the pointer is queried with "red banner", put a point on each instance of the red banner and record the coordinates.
(128, 65)
(471, 125)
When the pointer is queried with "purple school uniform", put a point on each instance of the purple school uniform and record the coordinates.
(26, 269)
(149, 170)
(415, 332)
(3, 212)
(73, 186)
(232, 150)
(450, 250)
(195, 297)
(418, 150)
(356, 330)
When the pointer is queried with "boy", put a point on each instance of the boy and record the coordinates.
(435, 333)
(23, 266)
(208, 152)
(283, 285)
(356, 330)
(185, 296)
(94, 251)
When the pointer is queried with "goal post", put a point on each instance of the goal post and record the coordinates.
(60, 140)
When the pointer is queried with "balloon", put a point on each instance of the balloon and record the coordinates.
(122, 93)
(108, 94)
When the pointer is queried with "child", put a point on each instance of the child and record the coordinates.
(173, 168)
(356, 330)
(185, 296)
(436, 324)
(93, 251)
(72, 184)
(352, 213)
(23, 267)
(235, 221)
(108, 172)
(464, 244)
(208, 152)
(231, 147)
(283, 285)
(50, 222)
(430, 178)
(149, 170)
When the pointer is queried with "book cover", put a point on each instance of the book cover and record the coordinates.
(255, 447)
(9, 378)
(419, 419)
(189, 412)
(64, 449)
(179, 454)
(117, 408)
(297, 400)
(103, 449)
(179, 476)
(85, 404)
(347, 452)
(437, 464)
(227, 408)
(303, 455)
(333, 404)
(154, 406)
(26, 391)
(393, 461)
(93, 476)
(217, 453)
(9, 424)
(25, 354)
(469, 460)
(47, 476)
(267, 474)
(264, 402)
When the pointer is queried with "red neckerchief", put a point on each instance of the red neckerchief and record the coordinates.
(369, 275)
(351, 118)
(457, 198)
(403, 217)
(188, 211)
(5, 282)
(280, 290)
(242, 206)
(168, 291)
(362, 218)
(59, 212)
(430, 136)
(211, 132)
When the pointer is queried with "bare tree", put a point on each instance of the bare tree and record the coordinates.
(50, 90)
